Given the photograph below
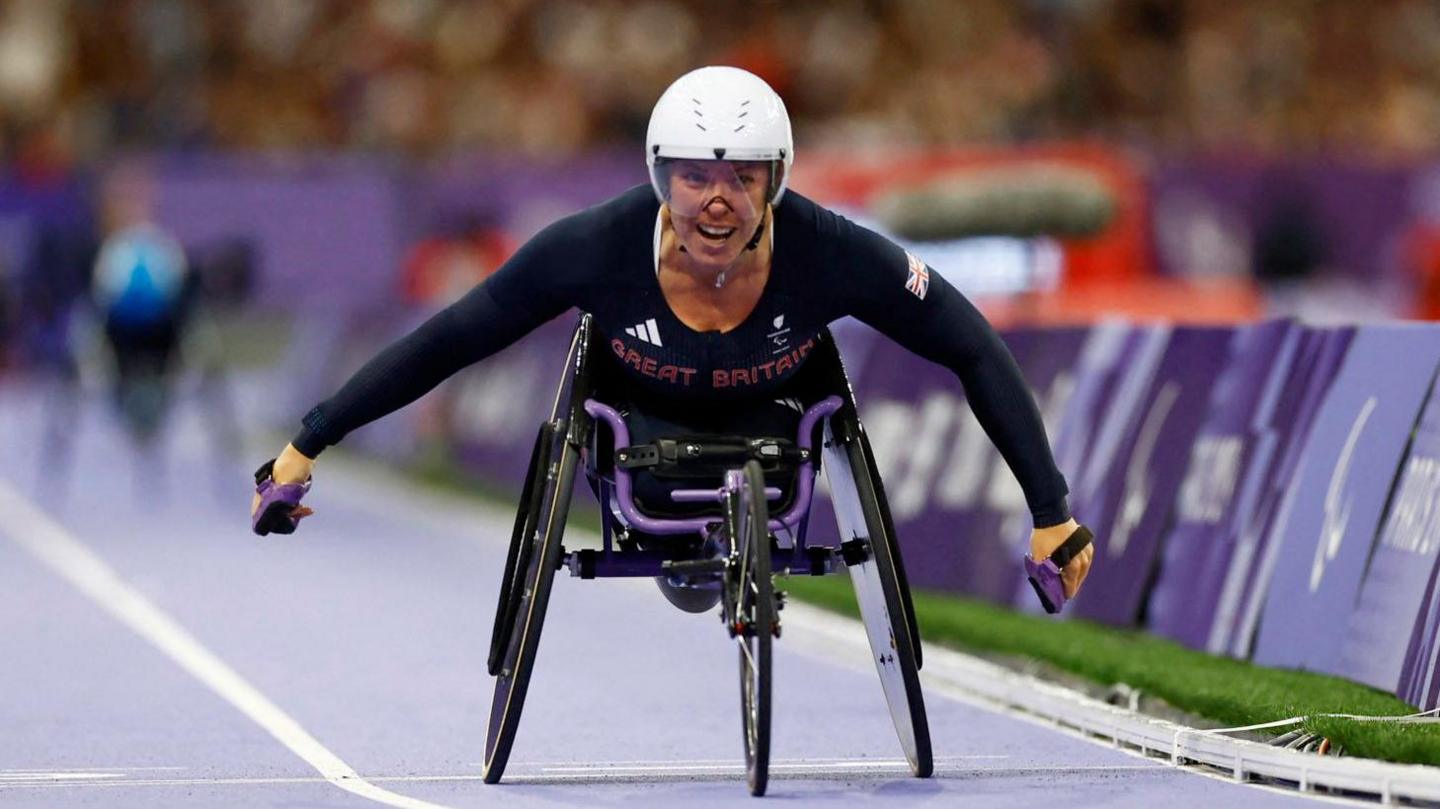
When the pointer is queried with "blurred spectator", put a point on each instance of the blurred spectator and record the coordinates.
(80, 78)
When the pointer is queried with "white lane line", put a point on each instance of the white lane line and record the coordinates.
(58, 776)
(65, 555)
(91, 769)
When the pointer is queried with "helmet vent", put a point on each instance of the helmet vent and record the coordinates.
(740, 127)
(701, 127)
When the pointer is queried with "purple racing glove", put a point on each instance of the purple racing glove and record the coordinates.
(277, 502)
(1045, 576)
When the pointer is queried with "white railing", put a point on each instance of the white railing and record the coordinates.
(974, 679)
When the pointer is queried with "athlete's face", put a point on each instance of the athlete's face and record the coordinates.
(715, 207)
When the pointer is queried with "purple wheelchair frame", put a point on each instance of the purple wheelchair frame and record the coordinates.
(612, 563)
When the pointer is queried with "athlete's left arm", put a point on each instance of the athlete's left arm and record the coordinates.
(897, 294)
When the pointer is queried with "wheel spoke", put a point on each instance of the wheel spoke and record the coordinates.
(745, 650)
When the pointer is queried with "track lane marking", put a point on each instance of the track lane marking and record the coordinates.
(59, 776)
(70, 559)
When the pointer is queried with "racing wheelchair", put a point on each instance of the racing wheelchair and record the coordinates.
(730, 539)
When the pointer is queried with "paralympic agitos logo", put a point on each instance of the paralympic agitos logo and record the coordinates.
(1337, 500)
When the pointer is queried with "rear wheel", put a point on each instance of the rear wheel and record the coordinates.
(527, 517)
(754, 622)
(536, 561)
(872, 556)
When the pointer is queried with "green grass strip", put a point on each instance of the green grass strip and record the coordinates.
(1228, 691)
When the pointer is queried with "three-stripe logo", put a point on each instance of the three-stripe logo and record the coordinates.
(646, 331)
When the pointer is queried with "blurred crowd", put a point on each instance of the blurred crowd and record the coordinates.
(80, 79)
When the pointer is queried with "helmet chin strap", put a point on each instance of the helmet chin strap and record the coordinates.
(759, 231)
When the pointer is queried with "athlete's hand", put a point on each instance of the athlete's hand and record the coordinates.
(1044, 541)
(290, 467)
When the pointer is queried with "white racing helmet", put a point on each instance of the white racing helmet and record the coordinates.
(720, 114)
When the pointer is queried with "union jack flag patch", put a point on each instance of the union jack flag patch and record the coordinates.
(918, 281)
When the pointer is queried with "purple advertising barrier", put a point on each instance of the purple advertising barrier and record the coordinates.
(1129, 503)
(1317, 360)
(1387, 621)
(951, 495)
(1232, 451)
(1328, 524)
(324, 232)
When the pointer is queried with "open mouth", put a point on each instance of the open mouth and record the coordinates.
(715, 233)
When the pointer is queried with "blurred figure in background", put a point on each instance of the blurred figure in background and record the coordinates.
(142, 290)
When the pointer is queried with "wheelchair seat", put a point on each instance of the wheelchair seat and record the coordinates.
(700, 462)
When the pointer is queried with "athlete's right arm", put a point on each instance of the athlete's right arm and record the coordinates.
(537, 284)
(466, 332)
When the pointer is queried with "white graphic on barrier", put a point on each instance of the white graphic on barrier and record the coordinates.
(1337, 513)
(1415, 518)
(925, 439)
(970, 463)
(1210, 480)
(1137, 481)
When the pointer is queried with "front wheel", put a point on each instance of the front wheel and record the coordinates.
(754, 622)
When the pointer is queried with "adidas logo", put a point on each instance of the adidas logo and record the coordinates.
(646, 331)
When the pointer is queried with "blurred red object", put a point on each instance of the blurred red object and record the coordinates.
(440, 269)
(1422, 260)
(1159, 300)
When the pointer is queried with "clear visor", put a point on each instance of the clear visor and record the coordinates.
(716, 192)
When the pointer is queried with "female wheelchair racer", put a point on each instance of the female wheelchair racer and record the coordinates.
(712, 289)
